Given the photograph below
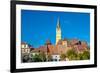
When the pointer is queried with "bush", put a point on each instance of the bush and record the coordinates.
(71, 54)
(41, 57)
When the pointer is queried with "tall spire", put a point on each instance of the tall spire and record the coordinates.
(58, 31)
(58, 23)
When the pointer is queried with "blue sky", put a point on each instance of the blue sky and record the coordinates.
(39, 26)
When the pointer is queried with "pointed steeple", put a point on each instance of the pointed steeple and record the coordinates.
(58, 31)
(58, 24)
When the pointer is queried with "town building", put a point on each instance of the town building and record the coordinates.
(55, 50)
(25, 48)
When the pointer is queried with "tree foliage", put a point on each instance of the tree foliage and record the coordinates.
(71, 54)
(63, 56)
(85, 55)
(41, 57)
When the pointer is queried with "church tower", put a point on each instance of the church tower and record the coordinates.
(58, 31)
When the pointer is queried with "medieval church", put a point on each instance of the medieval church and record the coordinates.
(61, 46)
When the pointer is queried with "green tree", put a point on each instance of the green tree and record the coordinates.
(49, 57)
(86, 55)
(36, 58)
(71, 54)
(42, 56)
(63, 56)
(80, 56)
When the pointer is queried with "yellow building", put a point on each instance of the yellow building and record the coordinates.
(58, 31)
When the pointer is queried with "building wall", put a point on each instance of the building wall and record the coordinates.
(25, 48)
(56, 57)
